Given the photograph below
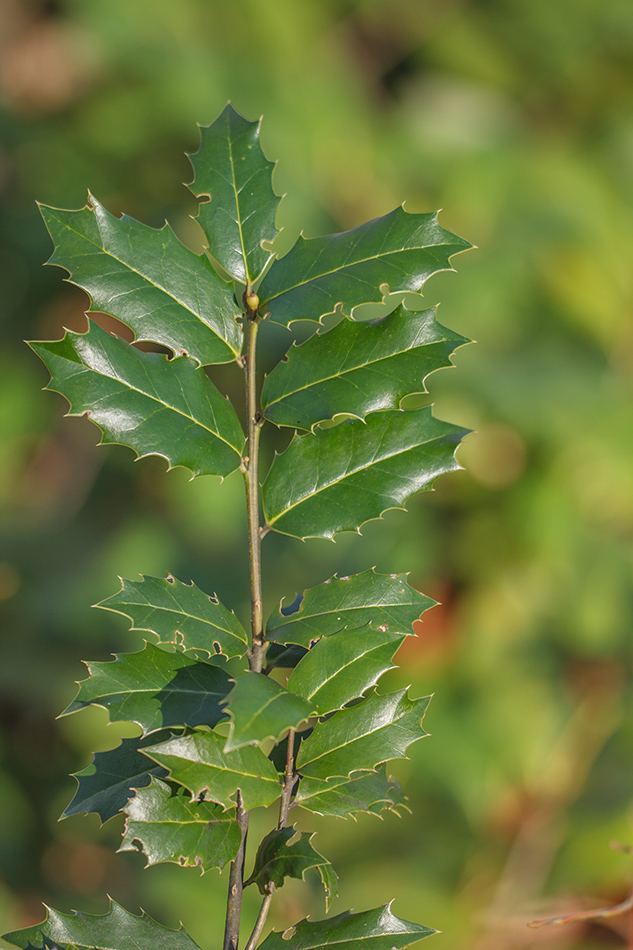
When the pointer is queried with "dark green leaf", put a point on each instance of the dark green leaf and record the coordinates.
(231, 169)
(180, 614)
(155, 689)
(108, 782)
(357, 368)
(172, 828)
(343, 798)
(116, 930)
(198, 762)
(337, 479)
(262, 709)
(399, 250)
(384, 601)
(375, 929)
(280, 656)
(278, 858)
(154, 405)
(374, 731)
(148, 280)
(341, 667)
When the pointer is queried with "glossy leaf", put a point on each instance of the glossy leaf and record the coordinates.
(171, 828)
(377, 730)
(375, 929)
(262, 709)
(116, 930)
(384, 601)
(357, 368)
(336, 479)
(342, 667)
(154, 405)
(279, 857)
(344, 797)
(148, 280)
(109, 781)
(155, 689)
(399, 250)
(180, 614)
(198, 762)
(231, 169)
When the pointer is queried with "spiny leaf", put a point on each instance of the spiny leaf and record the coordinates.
(108, 782)
(180, 614)
(336, 479)
(341, 667)
(148, 280)
(116, 930)
(278, 858)
(262, 709)
(375, 929)
(357, 368)
(154, 405)
(231, 169)
(360, 737)
(155, 689)
(198, 762)
(341, 797)
(400, 250)
(171, 828)
(384, 601)
(329, 880)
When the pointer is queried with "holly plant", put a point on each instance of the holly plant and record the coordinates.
(297, 718)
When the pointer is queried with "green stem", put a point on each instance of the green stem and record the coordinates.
(236, 883)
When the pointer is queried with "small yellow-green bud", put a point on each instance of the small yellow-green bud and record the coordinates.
(253, 301)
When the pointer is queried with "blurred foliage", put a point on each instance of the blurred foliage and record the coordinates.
(514, 115)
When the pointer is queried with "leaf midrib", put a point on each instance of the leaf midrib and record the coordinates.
(182, 613)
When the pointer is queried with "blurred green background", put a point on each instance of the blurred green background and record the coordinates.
(516, 117)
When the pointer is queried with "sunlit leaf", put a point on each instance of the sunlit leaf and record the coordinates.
(384, 601)
(372, 929)
(170, 827)
(116, 930)
(199, 763)
(148, 280)
(155, 689)
(262, 709)
(231, 169)
(343, 797)
(154, 405)
(109, 781)
(377, 730)
(357, 368)
(336, 479)
(341, 667)
(399, 250)
(180, 614)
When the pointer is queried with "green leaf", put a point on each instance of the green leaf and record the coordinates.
(375, 929)
(399, 250)
(180, 614)
(148, 280)
(341, 667)
(384, 601)
(198, 762)
(108, 782)
(341, 797)
(357, 368)
(360, 737)
(262, 709)
(116, 930)
(231, 169)
(154, 405)
(155, 689)
(171, 828)
(329, 880)
(336, 479)
(279, 857)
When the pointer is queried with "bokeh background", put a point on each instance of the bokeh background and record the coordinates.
(516, 117)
